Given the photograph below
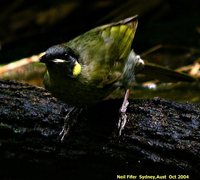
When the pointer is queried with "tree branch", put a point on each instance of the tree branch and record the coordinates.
(161, 137)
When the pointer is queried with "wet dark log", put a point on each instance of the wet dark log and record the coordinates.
(162, 137)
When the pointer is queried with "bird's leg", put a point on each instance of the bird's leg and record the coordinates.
(122, 115)
(69, 121)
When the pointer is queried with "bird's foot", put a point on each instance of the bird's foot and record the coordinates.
(64, 133)
(122, 122)
(69, 121)
(122, 114)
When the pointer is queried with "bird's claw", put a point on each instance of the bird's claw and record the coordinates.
(122, 122)
(64, 133)
(122, 114)
(69, 121)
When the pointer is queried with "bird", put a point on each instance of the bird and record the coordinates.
(88, 68)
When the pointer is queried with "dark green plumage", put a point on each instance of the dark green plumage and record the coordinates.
(106, 60)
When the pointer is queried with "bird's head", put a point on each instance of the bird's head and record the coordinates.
(62, 59)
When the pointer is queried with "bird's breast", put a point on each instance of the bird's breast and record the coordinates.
(78, 91)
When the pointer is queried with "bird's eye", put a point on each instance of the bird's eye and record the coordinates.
(66, 55)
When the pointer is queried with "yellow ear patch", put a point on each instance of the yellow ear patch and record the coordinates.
(76, 69)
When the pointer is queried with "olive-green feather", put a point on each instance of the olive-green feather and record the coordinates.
(102, 56)
(104, 51)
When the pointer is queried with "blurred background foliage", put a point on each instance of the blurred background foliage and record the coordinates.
(168, 34)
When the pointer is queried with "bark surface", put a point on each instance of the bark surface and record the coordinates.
(161, 137)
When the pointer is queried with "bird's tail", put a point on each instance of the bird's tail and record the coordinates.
(164, 74)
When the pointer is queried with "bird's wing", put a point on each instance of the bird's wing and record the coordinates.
(104, 51)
